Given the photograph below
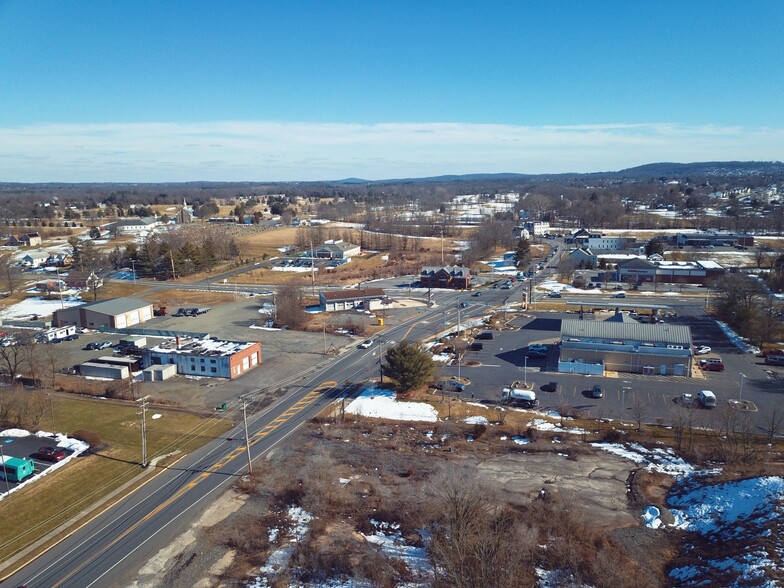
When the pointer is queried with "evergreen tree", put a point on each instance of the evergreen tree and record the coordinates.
(409, 365)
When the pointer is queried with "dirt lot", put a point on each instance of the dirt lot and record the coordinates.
(573, 488)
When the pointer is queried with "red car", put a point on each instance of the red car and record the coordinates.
(51, 453)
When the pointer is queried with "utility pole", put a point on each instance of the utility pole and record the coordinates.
(380, 362)
(324, 326)
(133, 268)
(313, 270)
(442, 246)
(171, 258)
(59, 287)
(247, 438)
(144, 429)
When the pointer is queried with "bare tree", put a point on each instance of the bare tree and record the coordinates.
(289, 306)
(475, 542)
(774, 424)
(11, 274)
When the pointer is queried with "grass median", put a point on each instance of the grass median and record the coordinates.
(40, 508)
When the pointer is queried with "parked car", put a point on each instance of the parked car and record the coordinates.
(596, 391)
(554, 295)
(476, 294)
(450, 386)
(550, 387)
(73, 337)
(712, 365)
(537, 348)
(51, 453)
(365, 344)
(701, 350)
(103, 345)
(476, 346)
(485, 335)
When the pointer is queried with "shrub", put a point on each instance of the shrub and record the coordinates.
(92, 438)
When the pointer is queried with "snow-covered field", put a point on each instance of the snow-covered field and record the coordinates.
(38, 306)
(377, 403)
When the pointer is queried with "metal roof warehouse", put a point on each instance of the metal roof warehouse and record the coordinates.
(592, 347)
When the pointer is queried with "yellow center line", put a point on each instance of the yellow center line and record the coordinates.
(313, 395)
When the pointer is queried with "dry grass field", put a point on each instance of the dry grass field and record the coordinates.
(65, 493)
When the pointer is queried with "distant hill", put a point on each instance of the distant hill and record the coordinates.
(669, 170)
(709, 168)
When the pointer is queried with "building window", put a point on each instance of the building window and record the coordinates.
(212, 361)
(214, 370)
(201, 360)
(203, 368)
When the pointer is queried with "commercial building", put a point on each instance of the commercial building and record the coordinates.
(135, 226)
(117, 313)
(594, 347)
(714, 239)
(337, 249)
(337, 300)
(205, 357)
(452, 276)
(682, 272)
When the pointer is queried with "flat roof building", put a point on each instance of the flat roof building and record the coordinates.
(205, 357)
(594, 347)
(366, 299)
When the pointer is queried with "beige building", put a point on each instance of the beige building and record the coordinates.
(117, 313)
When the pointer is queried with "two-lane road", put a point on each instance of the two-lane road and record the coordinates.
(109, 549)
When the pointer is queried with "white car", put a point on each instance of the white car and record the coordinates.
(619, 295)
(366, 344)
(701, 350)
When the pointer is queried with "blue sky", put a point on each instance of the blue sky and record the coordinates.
(192, 90)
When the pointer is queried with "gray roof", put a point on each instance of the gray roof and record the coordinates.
(616, 331)
(116, 306)
(620, 317)
(352, 294)
(452, 270)
(342, 246)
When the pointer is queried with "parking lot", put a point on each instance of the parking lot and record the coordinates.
(502, 361)
(25, 447)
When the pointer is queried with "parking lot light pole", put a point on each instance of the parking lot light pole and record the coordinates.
(740, 391)
(5, 471)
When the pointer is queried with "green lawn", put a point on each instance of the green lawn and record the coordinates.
(35, 510)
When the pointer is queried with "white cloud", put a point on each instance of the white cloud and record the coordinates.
(266, 151)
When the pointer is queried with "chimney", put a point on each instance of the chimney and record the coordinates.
(178, 341)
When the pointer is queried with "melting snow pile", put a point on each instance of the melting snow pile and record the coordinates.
(279, 558)
(662, 460)
(387, 536)
(741, 521)
(382, 404)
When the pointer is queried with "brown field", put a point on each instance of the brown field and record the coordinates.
(182, 297)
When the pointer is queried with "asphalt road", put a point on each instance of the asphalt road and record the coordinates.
(107, 550)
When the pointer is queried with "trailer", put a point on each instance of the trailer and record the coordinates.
(16, 469)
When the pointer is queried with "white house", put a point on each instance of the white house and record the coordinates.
(35, 259)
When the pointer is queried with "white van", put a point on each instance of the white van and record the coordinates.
(707, 398)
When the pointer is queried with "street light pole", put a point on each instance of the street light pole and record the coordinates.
(740, 392)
